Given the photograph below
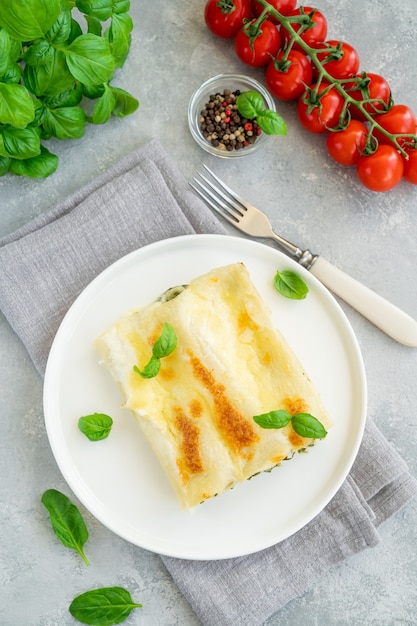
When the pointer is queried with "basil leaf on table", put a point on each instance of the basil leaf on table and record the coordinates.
(28, 20)
(290, 285)
(89, 59)
(101, 10)
(19, 143)
(40, 166)
(120, 29)
(96, 426)
(104, 106)
(16, 105)
(125, 103)
(103, 607)
(67, 522)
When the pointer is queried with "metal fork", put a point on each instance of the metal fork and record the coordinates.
(245, 217)
(251, 221)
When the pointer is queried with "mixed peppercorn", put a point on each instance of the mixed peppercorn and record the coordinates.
(222, 124)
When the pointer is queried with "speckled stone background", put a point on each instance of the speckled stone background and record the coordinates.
(310, 200)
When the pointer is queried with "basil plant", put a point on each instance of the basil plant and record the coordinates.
(51, 66)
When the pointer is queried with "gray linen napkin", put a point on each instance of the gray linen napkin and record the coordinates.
(47, 263)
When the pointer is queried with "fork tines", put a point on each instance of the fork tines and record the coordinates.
(219, 196)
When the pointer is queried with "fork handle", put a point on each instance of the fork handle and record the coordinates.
(385, 315)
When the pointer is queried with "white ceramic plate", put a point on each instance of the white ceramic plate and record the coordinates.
(118, 479)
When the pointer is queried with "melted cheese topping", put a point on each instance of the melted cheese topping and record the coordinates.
(229, 365)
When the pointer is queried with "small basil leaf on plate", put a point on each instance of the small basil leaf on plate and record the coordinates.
(103, 607)
(290, 285)
(273, 419)
(96, 426)
(166, 342)
(308, 426)
(150, 370)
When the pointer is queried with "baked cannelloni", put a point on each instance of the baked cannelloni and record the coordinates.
(229, 365)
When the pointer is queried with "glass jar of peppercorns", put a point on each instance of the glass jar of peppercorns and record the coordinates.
(215, 121)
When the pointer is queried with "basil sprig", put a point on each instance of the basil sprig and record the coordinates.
(49, 68)
(67, 521)
(96, 426)
(304, 424)
(103, 607)
(163, 346)
(250, 104)
(290, 285)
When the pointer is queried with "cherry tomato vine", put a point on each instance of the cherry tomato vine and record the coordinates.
(333, 96)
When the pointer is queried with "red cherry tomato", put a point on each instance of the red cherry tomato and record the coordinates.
(343, 62)
(410, 166)
(382, 170)
(256, 46)
(225, 17)
(311, 34)
(282, 6)
(400, 119)
(326, 113)
(346, 146)
(371, 87)
(287, 77)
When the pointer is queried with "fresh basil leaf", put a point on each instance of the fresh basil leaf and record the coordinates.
(40, 166)
(28, 20)
(250, 103)
(101, 9)
(151, 369)
(119, 37)
(103, 107)
(67, 522)
(4, 50)
(93, 91)
(90, 60)
(65, 122)
(68, 98)
(273, 419)
(61, 29)
(50, 79)
(163, 346)
(121, 6)
(39, 53)
(12, 75)
(271, 123)
(96, 426)
(20, 143)
(94, 25)
(75, 32)
(5, 163)
(290, 285)
(103, 607)
(16, 105)
(308, 426)
(166, 342)
(125, 103)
